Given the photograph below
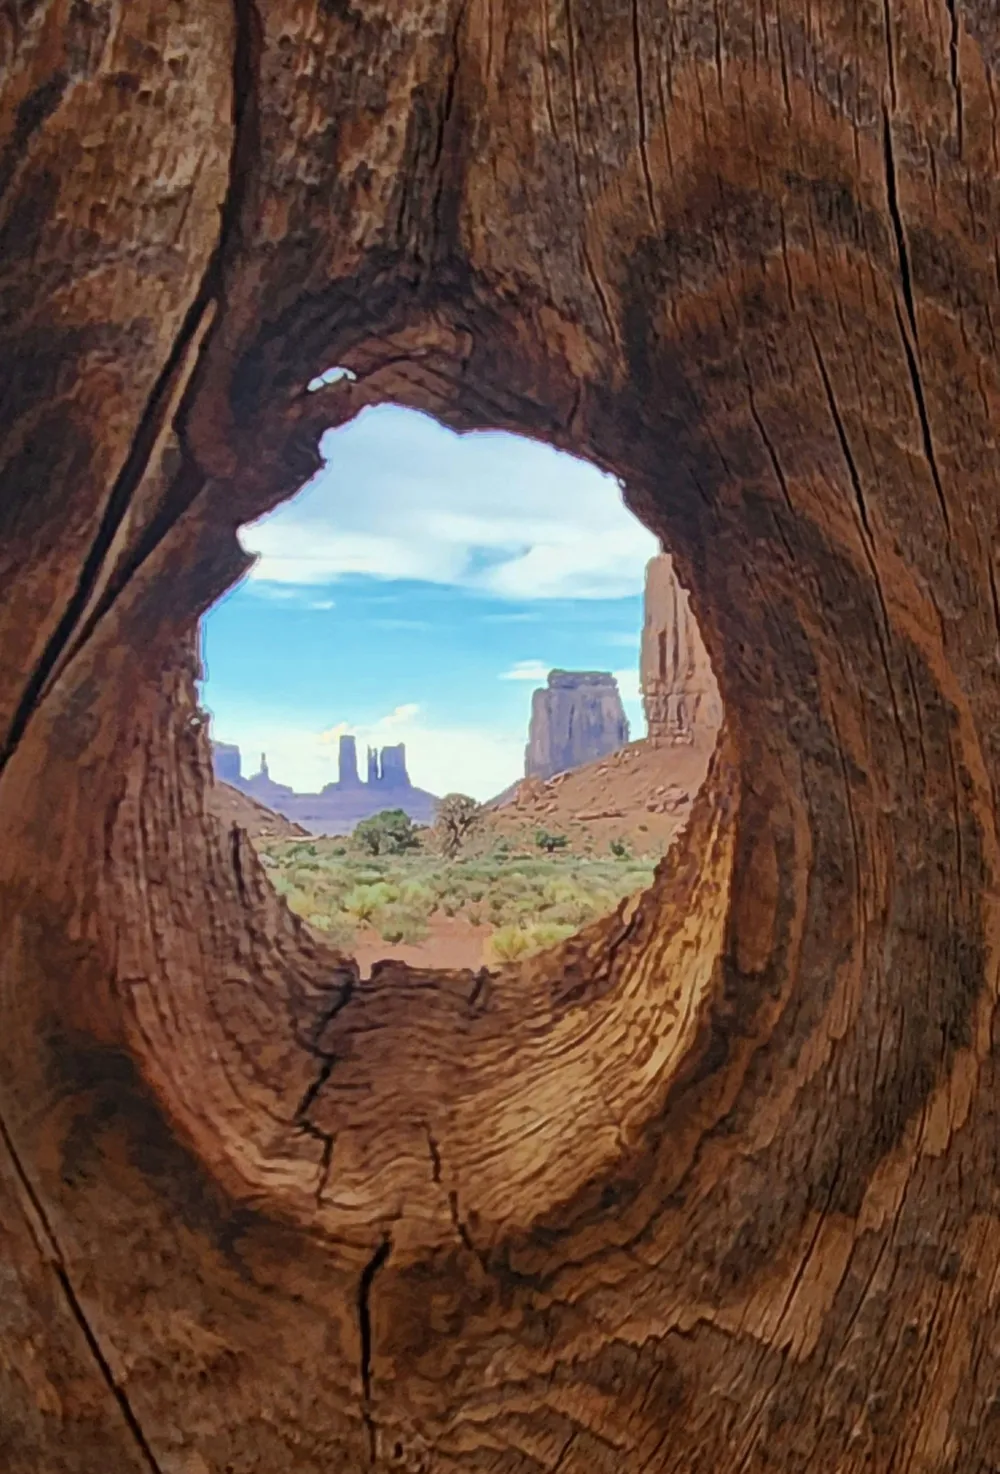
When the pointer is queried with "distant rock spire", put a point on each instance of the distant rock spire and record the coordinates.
(263, 766)
(392, 767)
(348, 766)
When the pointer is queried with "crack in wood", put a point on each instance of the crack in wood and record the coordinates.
(301, 1118)
(172, 383)
(365, 1284)
(51, 1253)
(867, 540)
(640, 99)
(890, 53)
(956, 77)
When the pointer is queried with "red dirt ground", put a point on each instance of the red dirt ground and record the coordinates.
(452, 942)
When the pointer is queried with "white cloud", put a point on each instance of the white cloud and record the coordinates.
(400, 717)
(628, 683)
(402, 497)
(287, 593)
(527, 670)
(477, 761)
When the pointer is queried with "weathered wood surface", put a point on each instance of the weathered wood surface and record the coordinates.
(714, 1188)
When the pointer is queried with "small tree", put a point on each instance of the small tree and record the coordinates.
(550, 842)
(457, 816)
(391, 832)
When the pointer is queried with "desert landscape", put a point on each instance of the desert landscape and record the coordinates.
(585, 828)
(557, 855)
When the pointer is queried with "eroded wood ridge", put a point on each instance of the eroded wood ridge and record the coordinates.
(712, 1186)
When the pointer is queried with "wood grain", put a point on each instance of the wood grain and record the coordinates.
(713, 1187)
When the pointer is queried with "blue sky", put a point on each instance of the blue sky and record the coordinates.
(417, 590)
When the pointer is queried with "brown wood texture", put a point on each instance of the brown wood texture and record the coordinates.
(713, 1188)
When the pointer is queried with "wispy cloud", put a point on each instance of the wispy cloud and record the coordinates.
(527, 670)
(267, 588)
(276, 592)
(402, 497)
(401, 717)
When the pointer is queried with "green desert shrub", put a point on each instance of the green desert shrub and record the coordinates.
(548, 933)
(392, 832)
(336, 929)
(458, 816)
(550, 842)
(517, 893)
(573, 912)
(418, 897)
(510, 943)
(365, 900)
(366, 874)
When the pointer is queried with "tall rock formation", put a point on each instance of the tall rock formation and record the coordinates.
(680, 694)
(392, 767)
(348, 763)
(577, 718)
(227, 763)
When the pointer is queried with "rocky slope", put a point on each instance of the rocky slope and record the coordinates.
(255, 819)
(641, 795)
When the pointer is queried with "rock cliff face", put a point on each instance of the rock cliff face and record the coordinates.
(575, 719)
(680, 694)
(226, 762)
(392, 767)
